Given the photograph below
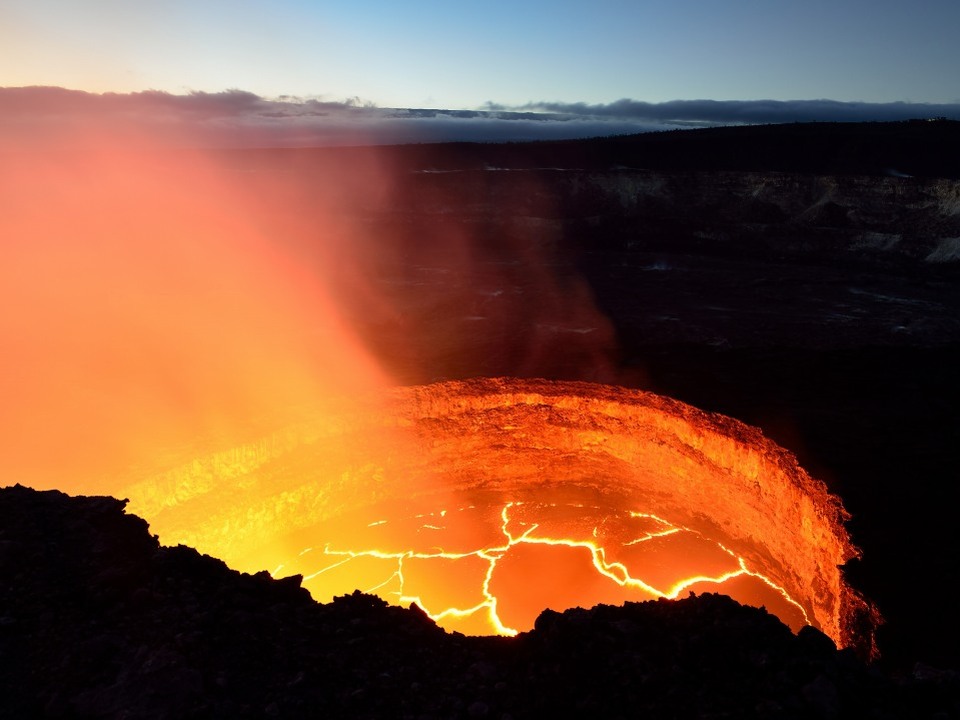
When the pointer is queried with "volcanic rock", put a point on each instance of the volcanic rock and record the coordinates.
(99, 620)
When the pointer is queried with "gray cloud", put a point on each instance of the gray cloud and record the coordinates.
(726, 112)
(43, 115)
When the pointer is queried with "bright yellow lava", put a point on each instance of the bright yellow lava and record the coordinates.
(487, 501)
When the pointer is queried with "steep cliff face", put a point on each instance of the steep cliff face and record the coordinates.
(722, 258)
(850, 218)
(859, 218)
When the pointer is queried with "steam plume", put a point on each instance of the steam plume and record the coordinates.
(148, 306)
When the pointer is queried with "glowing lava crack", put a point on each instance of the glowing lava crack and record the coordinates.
(487, 501)
(511, 590)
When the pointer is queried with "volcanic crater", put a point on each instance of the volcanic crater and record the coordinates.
(781, 276)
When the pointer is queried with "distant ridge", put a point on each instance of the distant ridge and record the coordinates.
(919, 148)
(928, 148)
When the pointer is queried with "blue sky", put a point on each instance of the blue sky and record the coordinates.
(462, 55)
(467, 55)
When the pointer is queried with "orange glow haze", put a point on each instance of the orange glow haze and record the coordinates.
(147, 310)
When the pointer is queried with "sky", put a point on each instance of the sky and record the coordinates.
(584, 59)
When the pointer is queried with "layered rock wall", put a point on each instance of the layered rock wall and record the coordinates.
(851, 218)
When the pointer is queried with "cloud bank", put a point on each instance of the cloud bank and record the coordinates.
(744, 112)
(31, 116)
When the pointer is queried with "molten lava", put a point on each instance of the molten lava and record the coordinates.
(487, 501)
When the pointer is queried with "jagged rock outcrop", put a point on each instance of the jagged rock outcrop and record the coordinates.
(97, 620)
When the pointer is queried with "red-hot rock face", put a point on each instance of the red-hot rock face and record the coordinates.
(487, 501)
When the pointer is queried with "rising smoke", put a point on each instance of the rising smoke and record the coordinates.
(148, 307)
(162, 304)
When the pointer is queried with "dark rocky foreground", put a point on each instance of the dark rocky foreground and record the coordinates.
(97, 620)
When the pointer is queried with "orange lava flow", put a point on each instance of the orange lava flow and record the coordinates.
(487, 501)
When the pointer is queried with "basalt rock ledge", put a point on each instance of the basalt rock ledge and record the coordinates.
(98, 620)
